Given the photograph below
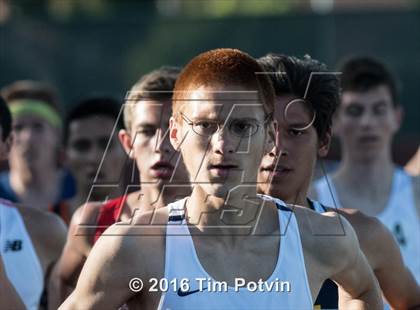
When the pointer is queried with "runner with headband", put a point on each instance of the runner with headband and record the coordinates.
(36, 177)
(30, 243)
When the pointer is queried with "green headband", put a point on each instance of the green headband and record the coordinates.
(35, 107)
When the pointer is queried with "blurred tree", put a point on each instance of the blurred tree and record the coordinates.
(65, 10)
(224, 8)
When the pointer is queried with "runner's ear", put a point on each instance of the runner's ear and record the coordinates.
(174, 133)
(127, 142)
(398, 117)
(272, 136)
(324, 144)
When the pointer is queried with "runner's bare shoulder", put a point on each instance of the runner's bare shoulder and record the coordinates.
(47, 231)
(329, 237)
(137, 244)
(148, 223)
(83, 221)
(87, 213)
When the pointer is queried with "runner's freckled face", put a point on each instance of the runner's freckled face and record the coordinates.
(148, 143)
(366, 122)
(298, 149)
(227, 155)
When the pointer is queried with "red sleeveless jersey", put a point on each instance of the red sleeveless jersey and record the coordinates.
(109, 214)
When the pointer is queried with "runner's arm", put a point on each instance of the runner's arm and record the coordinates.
(76, 250)
(397, 283)
(103, 282)
(358, 287)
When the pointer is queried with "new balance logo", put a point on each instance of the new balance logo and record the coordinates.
(13, 245)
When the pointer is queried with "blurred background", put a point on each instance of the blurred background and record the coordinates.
(85, 46)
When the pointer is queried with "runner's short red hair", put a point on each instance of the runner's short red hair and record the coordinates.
(223, 66)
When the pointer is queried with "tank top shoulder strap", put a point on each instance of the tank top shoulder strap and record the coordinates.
(176, 211)
(317, 206)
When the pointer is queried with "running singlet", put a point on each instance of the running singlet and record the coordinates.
(181, 262)
(108, 215)
(400, 215)
(21, 262)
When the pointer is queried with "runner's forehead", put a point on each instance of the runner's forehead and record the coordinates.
(374, 96)
(91, 127)
(292, 110)
(29, 118)
(151, 111)
(212, 102)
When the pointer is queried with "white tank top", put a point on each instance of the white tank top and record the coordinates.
(181, 262)
(400, 215)
(21, 263)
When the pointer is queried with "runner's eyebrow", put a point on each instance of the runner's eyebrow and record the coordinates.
(359, 104)
(379, 103)
(142, 125)
(297, 124)
(245, 118)
(355, 103)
